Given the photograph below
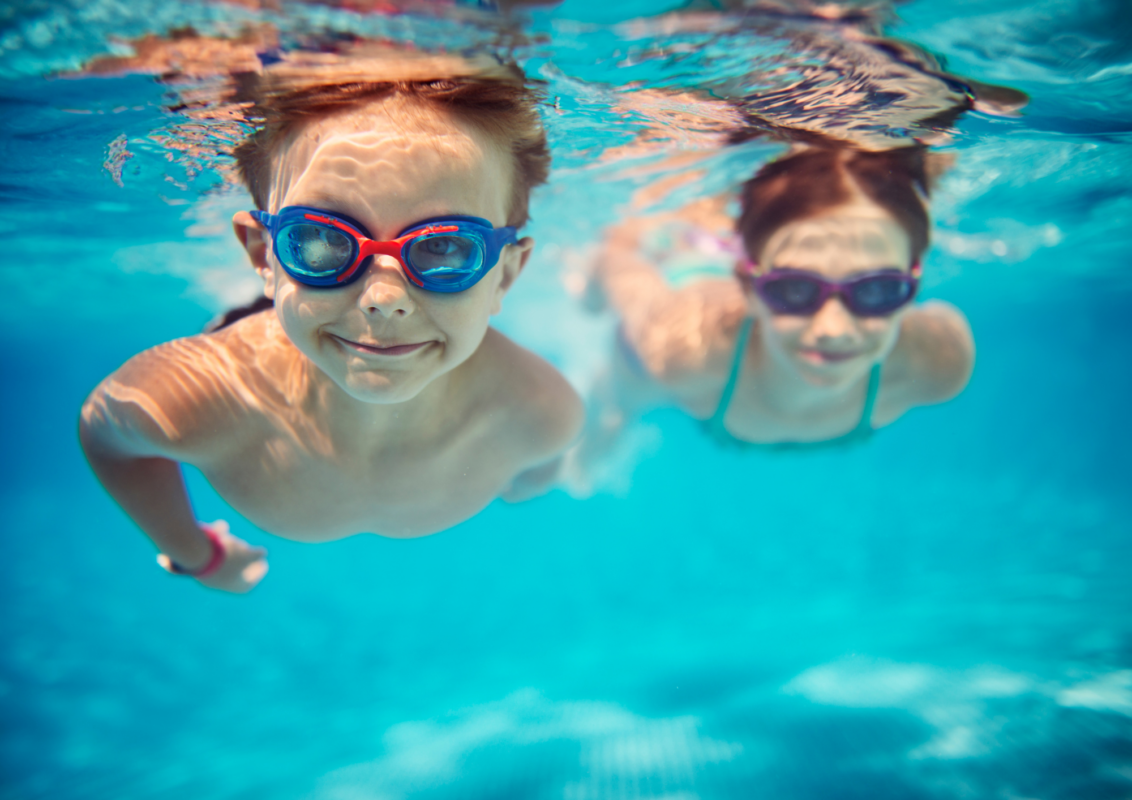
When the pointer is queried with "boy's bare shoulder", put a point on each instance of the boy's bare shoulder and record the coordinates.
(539, 409)
(191, 391)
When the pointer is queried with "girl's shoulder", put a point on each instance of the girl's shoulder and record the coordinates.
(934, 355)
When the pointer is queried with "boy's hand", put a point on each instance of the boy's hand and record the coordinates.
(244, 566)
(534, 482)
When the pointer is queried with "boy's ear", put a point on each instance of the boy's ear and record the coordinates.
(252, 236)
(512, 261)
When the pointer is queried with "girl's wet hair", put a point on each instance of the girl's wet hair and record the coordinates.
(808, 183)
(504, 107)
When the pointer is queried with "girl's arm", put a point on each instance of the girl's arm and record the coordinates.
(674, 332)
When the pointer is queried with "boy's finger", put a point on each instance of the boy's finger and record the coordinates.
(253, 573)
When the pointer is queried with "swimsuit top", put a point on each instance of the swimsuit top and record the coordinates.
(719, 432)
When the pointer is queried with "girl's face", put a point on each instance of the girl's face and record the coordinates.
(832, 346)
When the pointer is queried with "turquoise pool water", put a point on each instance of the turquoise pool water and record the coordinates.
(944, 613)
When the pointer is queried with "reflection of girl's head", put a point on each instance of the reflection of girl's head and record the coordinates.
(817, 181)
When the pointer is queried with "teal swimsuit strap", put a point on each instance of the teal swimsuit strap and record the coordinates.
(866, 423)
(715, 424)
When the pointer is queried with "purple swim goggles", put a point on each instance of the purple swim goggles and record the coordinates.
(442, 254)
(871, 294)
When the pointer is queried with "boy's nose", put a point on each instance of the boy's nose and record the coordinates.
(385, 290)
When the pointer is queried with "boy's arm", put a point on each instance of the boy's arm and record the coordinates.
(534, 482)
(546, 420)
(133, 445)
(560, 427)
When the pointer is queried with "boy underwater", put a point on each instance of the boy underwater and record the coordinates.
(374, 397)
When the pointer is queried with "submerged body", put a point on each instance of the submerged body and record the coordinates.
(807, 336)
(298, 457)
(929, 362)
(371, 404)
(805, 382)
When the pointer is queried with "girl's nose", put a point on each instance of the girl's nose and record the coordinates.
(833, 321)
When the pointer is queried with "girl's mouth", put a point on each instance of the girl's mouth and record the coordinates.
(816, 356)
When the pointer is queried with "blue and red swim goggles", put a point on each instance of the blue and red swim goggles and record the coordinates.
(441, 254)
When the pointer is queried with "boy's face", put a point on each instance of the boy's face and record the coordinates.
(381, 338)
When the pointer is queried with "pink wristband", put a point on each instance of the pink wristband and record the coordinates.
(213, 564)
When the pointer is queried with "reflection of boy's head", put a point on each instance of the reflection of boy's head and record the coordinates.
(814, 182)
(420, 96)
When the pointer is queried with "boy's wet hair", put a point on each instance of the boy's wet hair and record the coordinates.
(499, 104)
(808, 183)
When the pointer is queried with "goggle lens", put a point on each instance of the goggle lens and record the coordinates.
(315, 250)
(879, 295)
(445, 258)
(799, 295)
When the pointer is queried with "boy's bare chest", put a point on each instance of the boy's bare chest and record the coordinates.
(291, 489)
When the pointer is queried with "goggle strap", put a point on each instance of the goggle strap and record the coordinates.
(504, 236)
(367, 248)
(345, 276)
(337, 223)
(431, 229)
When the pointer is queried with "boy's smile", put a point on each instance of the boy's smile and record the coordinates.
(374, 348)
(389, 165)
